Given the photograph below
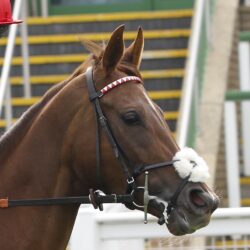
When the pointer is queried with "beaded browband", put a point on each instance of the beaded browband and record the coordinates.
(118, 82)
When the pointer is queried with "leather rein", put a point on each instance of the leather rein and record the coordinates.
(97, 197)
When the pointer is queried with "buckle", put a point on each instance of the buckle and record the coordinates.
(95, 95)
(100, 94)
(132, 180)
(94, 198)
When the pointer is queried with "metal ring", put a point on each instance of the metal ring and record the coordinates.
(131, 181)
(132, 192)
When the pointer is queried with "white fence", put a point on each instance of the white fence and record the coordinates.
(192, 83)
(233, 145)
(244, 73)
(101, 231)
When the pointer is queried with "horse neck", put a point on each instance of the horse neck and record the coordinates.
(38, 168)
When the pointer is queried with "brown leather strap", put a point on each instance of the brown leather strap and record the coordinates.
(4, 203)
(96, 199)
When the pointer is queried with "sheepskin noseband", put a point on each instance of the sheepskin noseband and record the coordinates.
(188, 163)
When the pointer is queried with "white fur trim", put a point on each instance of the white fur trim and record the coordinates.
(190, 163)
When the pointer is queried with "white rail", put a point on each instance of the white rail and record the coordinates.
(232, 154)
(191, 85)
(233, 146)
(9, 53)
(244, 73)
(44, 8)
(191, 74)
(93, 228)
(5, 89)
(25, 53)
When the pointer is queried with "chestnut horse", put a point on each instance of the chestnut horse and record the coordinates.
(51, 152)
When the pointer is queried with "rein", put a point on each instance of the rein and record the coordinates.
(97, 198)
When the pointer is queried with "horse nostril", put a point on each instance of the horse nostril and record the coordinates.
(197, 198)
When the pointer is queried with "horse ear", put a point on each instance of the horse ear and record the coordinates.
(133, 53)
(114, 50)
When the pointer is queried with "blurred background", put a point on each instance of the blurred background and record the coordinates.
(196, 67)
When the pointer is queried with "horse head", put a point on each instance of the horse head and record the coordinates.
(98, 129)
(177, 193)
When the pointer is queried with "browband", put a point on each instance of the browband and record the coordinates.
(118, 82)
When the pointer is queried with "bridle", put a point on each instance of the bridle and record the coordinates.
(97, 198)
(102, 122)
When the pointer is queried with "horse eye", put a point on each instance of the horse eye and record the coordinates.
(131, 118)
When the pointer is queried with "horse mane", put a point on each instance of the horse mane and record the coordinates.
(12, 137)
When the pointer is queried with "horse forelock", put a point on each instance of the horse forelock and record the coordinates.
(129, 69)
(96, 56)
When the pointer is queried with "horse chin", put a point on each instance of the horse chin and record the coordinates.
(178, 223)
(181, 222)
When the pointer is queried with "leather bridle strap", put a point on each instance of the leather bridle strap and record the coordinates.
(94, 198)
(92, 91)
(143, 169)
(102, 121)
(173, 200)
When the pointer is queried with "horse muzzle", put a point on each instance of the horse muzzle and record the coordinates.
(192, 210)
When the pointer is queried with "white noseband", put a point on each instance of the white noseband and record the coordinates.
(191, 164)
